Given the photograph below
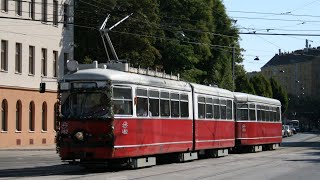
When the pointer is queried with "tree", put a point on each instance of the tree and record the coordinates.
(129, 38)
(193, 38)
(243, 84)
(204, 37)
(261, 85)
(280, 94)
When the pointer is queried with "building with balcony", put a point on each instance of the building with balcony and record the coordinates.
(298, 72)
(36, 38)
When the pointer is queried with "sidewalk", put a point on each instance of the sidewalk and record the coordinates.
(30, 148)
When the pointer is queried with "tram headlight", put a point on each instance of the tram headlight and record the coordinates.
(79, 136)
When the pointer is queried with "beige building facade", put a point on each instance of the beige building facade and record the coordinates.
(36, 40)
(298, 72)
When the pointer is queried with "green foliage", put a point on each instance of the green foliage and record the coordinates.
(280, 94)
(243, 85)
(170, 35)
(87, 60)
(261, 86)
(139, 51)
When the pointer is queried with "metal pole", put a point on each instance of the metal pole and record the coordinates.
(233, 64)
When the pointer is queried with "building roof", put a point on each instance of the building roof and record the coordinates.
(297, 56)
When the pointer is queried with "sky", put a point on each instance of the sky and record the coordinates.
(273, 16)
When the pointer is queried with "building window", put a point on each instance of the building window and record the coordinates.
(65, 60)
(44, 116)
(19, 7)
(55, 61)
(65, 15)
(4, 5)
(31, 116)
(4, 115)
(32, 9)
(18, 58)
(31, 60)
(4, 55)
(18, 116)
(44, 62)
(55, 13)
(44, 10)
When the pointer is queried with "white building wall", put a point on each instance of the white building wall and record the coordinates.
(22, 88)
(28, 32)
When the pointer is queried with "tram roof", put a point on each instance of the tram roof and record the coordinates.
(126, 78)
(243, 97)
(211, 90)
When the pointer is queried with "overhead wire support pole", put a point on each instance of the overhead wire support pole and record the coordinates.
(105, 46)
(233, 68)
(104, 30)
(101, 34)
(116, 24)
(113, 51)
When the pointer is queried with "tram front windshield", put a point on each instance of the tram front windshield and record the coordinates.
(86, 105)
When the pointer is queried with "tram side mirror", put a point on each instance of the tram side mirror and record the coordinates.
(42, 88)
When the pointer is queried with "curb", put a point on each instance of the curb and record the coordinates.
(49, 148)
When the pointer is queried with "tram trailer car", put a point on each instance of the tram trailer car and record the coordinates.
(213, 119)
(111, 116)
(258, 122)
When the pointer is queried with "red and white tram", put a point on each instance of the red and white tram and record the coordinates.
(214, 123)
(114, 116)
(258, 122)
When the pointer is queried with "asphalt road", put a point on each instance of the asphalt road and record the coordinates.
(298, 158)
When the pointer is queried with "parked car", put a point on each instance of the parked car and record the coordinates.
(293, 129)
(287, 130)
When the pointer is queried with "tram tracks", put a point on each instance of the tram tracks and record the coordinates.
(263, 159)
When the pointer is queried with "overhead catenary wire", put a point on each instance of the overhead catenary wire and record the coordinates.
(276, 14)
(199, 31)
(278, 34)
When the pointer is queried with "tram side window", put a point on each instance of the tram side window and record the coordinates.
(142, 103)
(154, 102)
(223, 108)
(242, 112)
(216, 108)
(278, 114)
(263, 113)
(184, 105)
(268, 113)
(274, 113)
(252, 112)
(122, 100)
(164, 104)
(229, 109)
(175, 105)
(259, 113)
(209, 108)
(201, 107)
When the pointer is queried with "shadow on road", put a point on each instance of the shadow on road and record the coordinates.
(54, 170)
(314, 159)
(61, 169)
(301, 144)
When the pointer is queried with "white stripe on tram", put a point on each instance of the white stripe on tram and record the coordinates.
(153, 144)
(262, 137)
(219, 140)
